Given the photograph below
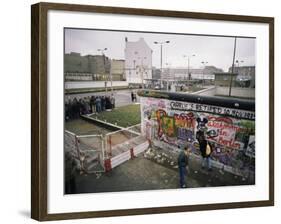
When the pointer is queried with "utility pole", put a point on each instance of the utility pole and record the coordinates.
(161, 46)
(142, 70)
(232, 69)
(102, 52)
(110, 75)
(188, 63)
(188, 78)
(204, 64)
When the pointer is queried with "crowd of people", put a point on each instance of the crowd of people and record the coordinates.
(88, 105)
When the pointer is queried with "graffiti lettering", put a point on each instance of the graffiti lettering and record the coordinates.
(184, 120)
(228, 143)
(222, 125)
(183, 106)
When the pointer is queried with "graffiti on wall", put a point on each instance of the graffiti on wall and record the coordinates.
(185, 106)
(178, 126)
(172, 123)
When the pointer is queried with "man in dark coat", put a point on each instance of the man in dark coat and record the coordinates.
(93, 104)
(183, 163)
(132, 96)
(205, 149)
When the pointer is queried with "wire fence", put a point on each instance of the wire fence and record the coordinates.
(86, 150)
(122, 140)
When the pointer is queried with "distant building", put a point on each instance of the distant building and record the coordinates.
(212, 69)
(98, 64)
(138, 61)
(167, 74)
(118, 70)
(156, 73)
(224, 79)
(246, 74)
(89, 67)
(195, 74)
(75, 63)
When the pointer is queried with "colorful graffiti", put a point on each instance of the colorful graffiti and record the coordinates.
(176, 123)
(177, 126)
(223, 131)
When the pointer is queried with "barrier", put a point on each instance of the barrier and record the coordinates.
(91, 153)
(123, 145)
(95, 153)
(172, 121)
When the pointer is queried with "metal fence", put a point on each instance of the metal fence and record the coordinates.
(121, 141)
(97, 153)
(86, 150)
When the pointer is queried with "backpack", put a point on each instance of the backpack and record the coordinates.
(208, 149)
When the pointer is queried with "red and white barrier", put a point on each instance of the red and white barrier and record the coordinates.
(112, 162)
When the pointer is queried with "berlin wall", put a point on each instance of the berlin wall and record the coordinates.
(171, 120)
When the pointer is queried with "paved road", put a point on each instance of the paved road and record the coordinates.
(122, 97)
(134, 175)
(149, 172)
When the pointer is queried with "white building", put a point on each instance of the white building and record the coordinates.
(138, 61)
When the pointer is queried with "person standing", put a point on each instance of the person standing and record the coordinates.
(183, 165)
(93, 104)
(103, 103)
(98, 104)
(205, 149)
(132, 96)
(135, 97)
(112, 100)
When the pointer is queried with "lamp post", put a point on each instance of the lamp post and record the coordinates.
(237, 61)
(204, 64)
(142, 70)
(168, 70)
(110, 74)
(232, 68)
(238, 65)
(161, 49)
(241, 78)
(134, 70)
(188, 62)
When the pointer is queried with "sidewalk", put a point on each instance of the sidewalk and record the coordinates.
(154, 170)
(216, 177)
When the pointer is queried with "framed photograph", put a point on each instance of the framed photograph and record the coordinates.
(141, 111)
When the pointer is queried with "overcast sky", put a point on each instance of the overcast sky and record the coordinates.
(217, 51)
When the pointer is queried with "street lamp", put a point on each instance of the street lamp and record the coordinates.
(170, 76)
(134, 70)
(188, 62)
(237, 61)
(110, 74)
(161, 46)
(204, 64)
(102, 50)
(241, 78)
(238, 65)
(142, 70)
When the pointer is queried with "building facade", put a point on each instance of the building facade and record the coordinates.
(118, 70)
(88, 67)
(246, 74)
(224, 79)
(156, 73)
(195, 74)
(138, 61)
